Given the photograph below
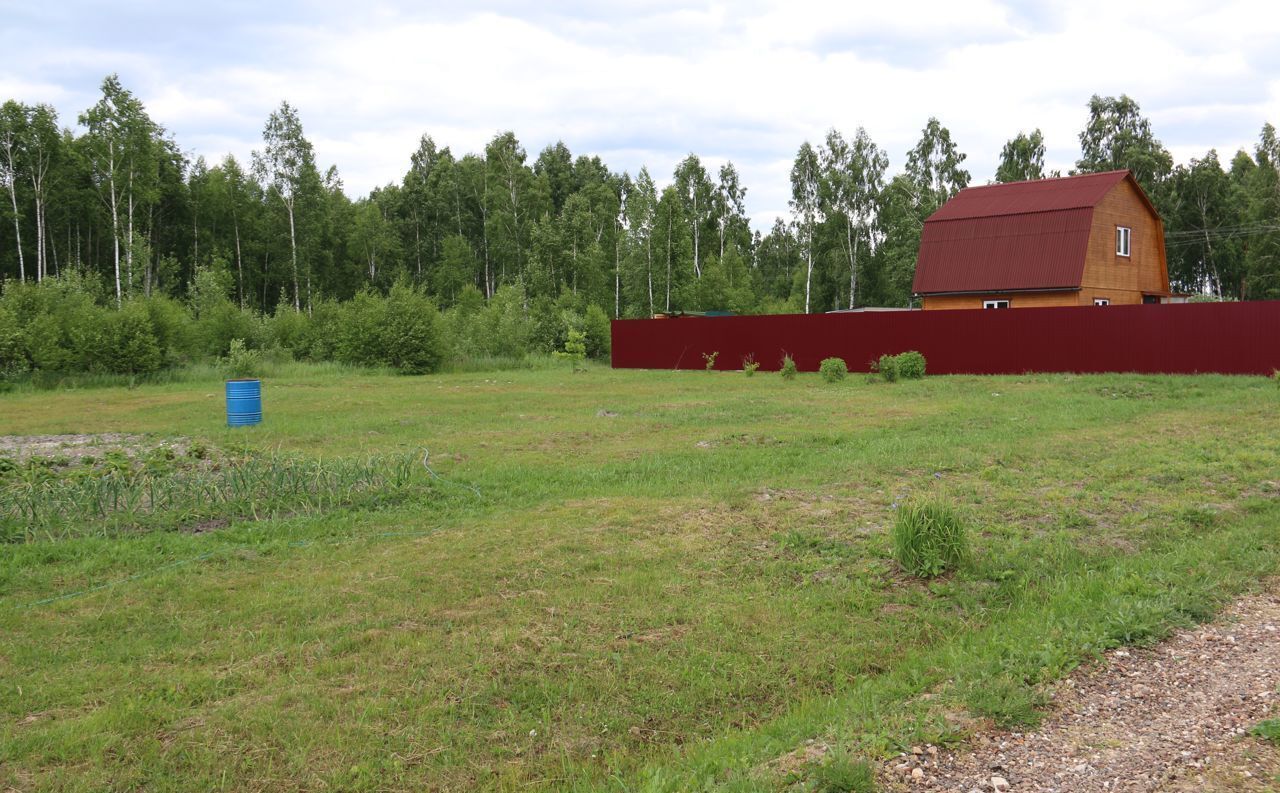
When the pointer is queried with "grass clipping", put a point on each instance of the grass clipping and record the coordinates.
(929, 539)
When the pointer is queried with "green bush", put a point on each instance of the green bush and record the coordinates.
(219, 323)
(575, 350)
(411, 332)
(595, 325)
(750, 365)
(290, 330)
(128, 342)
(833, 370)
(929, 539)
(13, 349)
(171, 324)
(401, 330)
(905, 366)
(788, 370)
(241, 362)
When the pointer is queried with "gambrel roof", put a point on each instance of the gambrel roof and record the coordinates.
(1021, 236)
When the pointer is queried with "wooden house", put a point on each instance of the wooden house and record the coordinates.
(1091, 240)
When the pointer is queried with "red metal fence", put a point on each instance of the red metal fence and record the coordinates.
(1228, 338)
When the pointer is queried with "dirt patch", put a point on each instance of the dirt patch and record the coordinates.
(207, 525)
(1175, 717)
(794, 762)
(75, 447)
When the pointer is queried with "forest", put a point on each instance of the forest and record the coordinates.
(112, 238)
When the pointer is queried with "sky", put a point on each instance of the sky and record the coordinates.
(646, 82)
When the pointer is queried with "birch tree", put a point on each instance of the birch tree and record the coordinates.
(41, 144)
(730, 207)
(1022, 159)
(642, 214)
(123, 151)
(852, 179)
(695, 191)
(805, 206)
(283, 166)
(934, 167)
(13, 121)
(508, 188)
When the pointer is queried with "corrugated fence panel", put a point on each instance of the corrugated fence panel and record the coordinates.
(1227, 338)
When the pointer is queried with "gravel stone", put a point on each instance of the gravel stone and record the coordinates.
(1174, 717)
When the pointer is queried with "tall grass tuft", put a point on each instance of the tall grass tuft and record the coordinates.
(929, 539)
(118, 495)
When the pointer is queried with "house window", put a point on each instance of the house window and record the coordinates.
(1122, 240)
(1102, 301)
(995, 303)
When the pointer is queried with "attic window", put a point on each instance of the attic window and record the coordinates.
(995, 303)
(1122, 240)
(1101, 301)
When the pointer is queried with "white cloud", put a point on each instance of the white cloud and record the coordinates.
(648, 82)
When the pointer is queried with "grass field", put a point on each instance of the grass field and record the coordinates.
(626, 581)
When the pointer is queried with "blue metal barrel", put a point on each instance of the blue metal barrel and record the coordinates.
(244, 402)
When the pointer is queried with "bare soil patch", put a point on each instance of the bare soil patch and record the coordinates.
(75, 447)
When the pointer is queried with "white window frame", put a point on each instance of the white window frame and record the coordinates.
(995, 303)
(1102, 301)
(1124, 241)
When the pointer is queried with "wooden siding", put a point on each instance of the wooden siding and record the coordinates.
(1123, 279)
(1016, 300)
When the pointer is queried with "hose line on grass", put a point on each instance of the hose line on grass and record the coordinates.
(426, 455)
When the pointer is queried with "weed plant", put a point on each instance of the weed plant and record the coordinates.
(1268, 730)
(929, 539)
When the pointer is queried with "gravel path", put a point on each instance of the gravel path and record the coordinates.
(1169, 718)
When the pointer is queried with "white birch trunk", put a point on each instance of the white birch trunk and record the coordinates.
(808, 276)
(17, 229)
(239, 262)
(293, 254)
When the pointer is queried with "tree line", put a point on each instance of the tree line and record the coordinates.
(117, 200)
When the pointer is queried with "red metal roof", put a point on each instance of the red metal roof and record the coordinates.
(1011, 237)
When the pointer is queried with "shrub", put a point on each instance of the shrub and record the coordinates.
(788, 370)
(410, 335)
(241, 361)
(220, 322)
(596, 327)
(750, 365)
(929, 539)
(357, 330)
(710, 358)
(401, 330)
(171, 324)
(290, 330)
(128, 342)
(911, 365)
(905, 366)
(833, 370)
(575, 349)
(13, 350)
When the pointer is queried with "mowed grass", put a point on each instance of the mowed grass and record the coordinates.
(667, 581)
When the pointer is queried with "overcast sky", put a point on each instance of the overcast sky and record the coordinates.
(645, 82)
